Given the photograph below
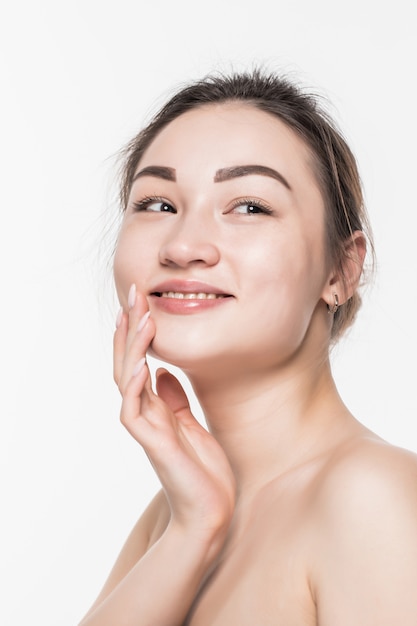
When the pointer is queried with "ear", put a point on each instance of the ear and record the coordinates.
(343, 282)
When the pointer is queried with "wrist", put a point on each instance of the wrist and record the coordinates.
(202, 543)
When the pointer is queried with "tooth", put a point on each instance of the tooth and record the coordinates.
(190, 296)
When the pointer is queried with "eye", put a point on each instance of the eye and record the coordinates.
(249, 206)
(153, 205)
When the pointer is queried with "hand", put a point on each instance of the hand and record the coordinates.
(192, 467)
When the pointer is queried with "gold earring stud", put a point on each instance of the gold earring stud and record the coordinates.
(333, 309)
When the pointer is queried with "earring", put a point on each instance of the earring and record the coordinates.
(333, 309)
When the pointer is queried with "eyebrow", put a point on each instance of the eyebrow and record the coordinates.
(227, 173)
(167, 173)
(222, 175)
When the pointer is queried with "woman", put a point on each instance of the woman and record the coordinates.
(238, 260)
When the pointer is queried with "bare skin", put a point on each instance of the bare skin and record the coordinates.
(286, 511)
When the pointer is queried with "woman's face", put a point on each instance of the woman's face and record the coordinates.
(224, 234)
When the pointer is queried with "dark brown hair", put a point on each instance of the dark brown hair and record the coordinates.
(334, 164)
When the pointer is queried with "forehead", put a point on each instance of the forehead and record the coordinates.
(229, 134)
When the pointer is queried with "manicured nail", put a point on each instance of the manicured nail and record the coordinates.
(119, 317)
(143, 321)
(138, 367)
(131, 299)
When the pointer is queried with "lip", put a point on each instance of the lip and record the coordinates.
(187, 305)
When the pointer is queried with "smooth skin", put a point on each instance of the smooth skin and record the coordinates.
(287, 510)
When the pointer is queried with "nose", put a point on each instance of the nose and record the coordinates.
(190, 242)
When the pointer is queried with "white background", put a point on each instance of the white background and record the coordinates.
(77, 80)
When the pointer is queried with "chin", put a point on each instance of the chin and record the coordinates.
(199, 358)
(173, 354)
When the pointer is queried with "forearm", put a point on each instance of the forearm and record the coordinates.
(161, 587)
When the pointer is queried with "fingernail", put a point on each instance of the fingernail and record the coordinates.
(143, 321)
(138, 367)
(119, 317)
(131, 299)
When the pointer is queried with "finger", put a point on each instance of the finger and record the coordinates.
(137, 312)
(119, 345)
(126, 320)
(171, 391)
(140, 404)
(136, 351)
(131, 407)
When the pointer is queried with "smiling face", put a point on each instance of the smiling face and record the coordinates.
(224, 233)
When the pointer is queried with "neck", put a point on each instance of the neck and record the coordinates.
(271, 422)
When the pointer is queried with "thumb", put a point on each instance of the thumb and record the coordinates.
(170, 390)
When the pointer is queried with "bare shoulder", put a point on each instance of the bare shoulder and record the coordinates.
(152, 524)
(365, 555)
(369, 469)
(147, 530)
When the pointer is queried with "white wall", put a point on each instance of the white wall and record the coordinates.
(77, 80)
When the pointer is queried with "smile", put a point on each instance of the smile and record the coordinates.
(180, 295)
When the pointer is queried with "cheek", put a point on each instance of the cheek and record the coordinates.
(125, 266)
(281, 261)
(290, 278)
(120, 279)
